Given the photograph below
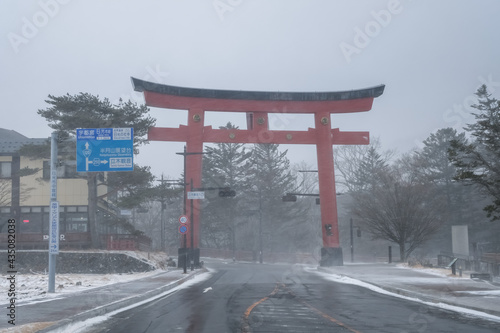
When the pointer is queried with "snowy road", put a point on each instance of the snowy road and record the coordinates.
(282, 298)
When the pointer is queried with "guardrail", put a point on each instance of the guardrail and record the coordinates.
(481, 276)
(489, 263)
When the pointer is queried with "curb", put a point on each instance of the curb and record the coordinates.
(104, 309)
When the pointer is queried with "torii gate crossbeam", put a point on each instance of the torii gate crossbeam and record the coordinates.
(257, 105)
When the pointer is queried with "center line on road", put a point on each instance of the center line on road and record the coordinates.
(246, 317)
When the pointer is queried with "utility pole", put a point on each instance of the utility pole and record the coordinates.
(352, 242)
(192, 228)
(260, 226)
(182, 252)
(162, 212)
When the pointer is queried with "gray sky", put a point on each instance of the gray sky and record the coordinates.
(431, 55)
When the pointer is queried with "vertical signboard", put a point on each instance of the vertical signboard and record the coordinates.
(54, 228)
(460, 239)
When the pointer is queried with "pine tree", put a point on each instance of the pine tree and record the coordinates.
(224, 166)
(67, 113)
(435, 166)
(271, 178)
(478, 159)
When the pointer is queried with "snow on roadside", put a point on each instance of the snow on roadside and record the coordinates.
(348, 280)
(32, 288)
(434, 271)
(82, 326)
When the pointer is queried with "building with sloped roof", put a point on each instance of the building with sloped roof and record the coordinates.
(25, 197)
(11, 141)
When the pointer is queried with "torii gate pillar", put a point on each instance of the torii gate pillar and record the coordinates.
(331, 253)
(257, 105)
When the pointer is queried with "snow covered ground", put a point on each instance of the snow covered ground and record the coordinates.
(82, 326)
(443, 276)
(34, 286)
(434, 271)
(31, 288)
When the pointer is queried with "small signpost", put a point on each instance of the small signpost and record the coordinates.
(104, 149)
(183, 230)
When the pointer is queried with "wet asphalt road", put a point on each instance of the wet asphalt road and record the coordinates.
(282, 298)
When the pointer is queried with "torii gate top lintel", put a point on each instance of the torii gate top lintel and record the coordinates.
(174, 97)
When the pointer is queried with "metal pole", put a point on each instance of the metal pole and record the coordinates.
(185, 254)
(162, 223)
(53, 198)
(184, 212)
(184, 179)
(352, 243)
(185, 154)
(192, 231)
(260, 226)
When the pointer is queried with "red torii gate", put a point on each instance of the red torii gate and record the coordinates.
(257, 105)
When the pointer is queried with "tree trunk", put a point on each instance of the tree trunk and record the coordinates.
(402, 251)
(92, 210)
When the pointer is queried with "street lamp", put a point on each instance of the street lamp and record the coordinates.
(185, 154)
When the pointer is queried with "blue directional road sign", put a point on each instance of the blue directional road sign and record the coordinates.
(104, 149)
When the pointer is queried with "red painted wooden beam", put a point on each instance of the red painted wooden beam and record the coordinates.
(173, 97)
(257, 136)
(236, 105)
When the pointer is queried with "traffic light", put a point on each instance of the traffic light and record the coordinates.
(328, 228)
(289, 198)
(227, 192)
(317, 201)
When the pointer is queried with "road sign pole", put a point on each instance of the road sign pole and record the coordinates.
(192, 231)
(185, 254)
(53, 201)
(183, 229)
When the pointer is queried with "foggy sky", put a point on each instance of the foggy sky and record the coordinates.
(431, 55)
